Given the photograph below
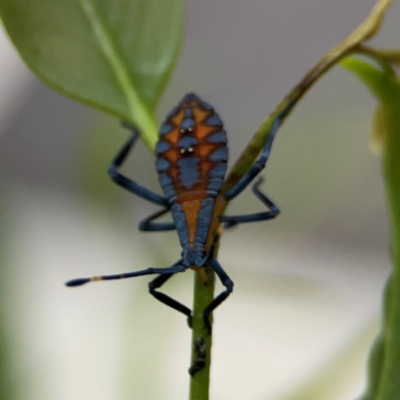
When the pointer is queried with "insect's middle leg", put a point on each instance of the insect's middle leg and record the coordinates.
(148, 224)
(273, 212)
(227, 282)
(168, 301)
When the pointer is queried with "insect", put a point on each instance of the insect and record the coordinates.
(191, 161)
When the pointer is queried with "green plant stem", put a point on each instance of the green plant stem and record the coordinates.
(389, 386)
(203, 295)
(199, 386)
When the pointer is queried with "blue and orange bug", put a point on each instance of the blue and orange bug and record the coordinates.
(191, 161)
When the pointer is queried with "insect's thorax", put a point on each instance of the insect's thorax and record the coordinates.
(191, 162)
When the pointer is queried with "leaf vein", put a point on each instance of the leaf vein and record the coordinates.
(139, 111)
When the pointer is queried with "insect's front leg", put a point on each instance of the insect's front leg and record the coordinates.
(127, 183)
(259, 165)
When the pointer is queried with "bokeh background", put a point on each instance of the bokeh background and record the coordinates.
(308, 285)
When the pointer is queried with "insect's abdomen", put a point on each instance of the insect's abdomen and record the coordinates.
(191, 162)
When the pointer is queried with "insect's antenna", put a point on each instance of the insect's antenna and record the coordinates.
(149, 271)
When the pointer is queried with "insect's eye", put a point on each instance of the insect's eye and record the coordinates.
(187, 150)
(185, 130)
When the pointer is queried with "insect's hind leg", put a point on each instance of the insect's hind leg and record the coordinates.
(227, 282)
(168, 301)
(177, 267)
(164, 275)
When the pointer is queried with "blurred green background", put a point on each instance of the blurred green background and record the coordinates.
(308, 285)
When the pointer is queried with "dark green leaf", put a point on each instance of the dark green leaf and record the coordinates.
(114, 55)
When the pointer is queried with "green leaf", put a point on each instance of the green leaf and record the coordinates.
(384, 369)
(386, 88)
(383, 85)
(114, 55)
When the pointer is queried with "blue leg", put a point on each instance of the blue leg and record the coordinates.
(227, 282)
(126, 183)
(178, 267)
(170, 302)
(262, 160)
(147, 224)
(262, 216)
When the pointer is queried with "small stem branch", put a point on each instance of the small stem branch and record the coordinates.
(384, 58)
(390, 56)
